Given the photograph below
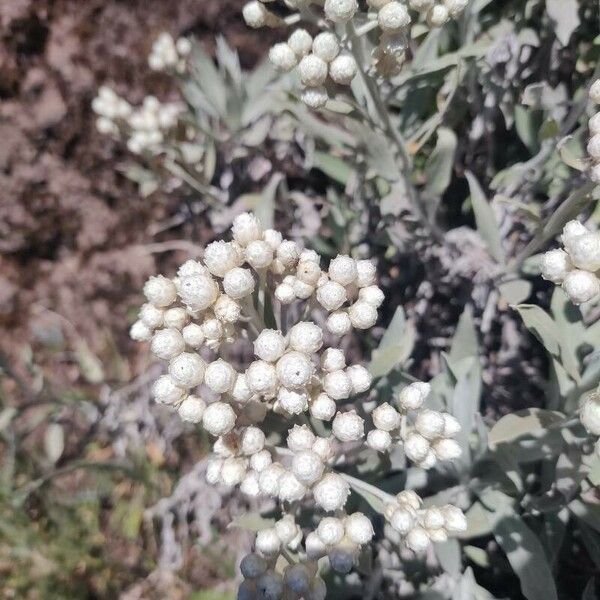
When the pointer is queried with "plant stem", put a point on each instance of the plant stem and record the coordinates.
(359, 484)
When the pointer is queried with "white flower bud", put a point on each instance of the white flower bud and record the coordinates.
(584, 251)
(451, 426)
(416, 447)
(331, 295)
(339, 323)
(187, 370)
(218, 418)
(308, 271)
(402, 519)
(312, 70)
(245, 229)
(454, 519)
(343, 69)
(260, 461)
(421, 5)
(160, 291)
(307, 466)
(226, 309)
(241, 392)
(193, 335)
(323, 407)
(165, 390)
(340, 11)
(273, 238)
(261, 378)
(212, 329)
(343, 270)
(176, 318)
(213, 471)
(393, 16)
(167, 344)
(315, 97)
(253, 566)
(299, 438)
(581, 286)
(595, 91)
(255, 14)
(267, 542)
(314, 546)
(252, 440)
(330, 531)
(337, 385)
(331, 492)
(283, 57)
(359, 528)
(221, 257)
(259, 254)
(324, 447)
(294, 370)
(233, 471)
(192, 409)
(286, 529)
(290, 489)
(292, 402)
(151, 316)
(306, 337)
(362, 315)
(417, 540)
(371, 295)
(140, 332)
(593, 147)
(285, 293)
(300, 42)
(326, 46)
(238, 283)
(594, 124)
(572, 230)
(429, 461)
(386, 417)
(430, 424)
(555, 265)
(348, 426)
(437, 16)
(269, 479)
(590, 414)
(288, 253)
(343, 557)
(360, 378)
(270, 345)
(433, 518)
(379, 440)
(220, 376)
(198, 291)
(191, 267)
(332, 359)
(595, 173)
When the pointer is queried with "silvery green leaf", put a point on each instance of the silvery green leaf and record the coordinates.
(332, 166)
(253, 521)
(206, 89)
(564, 15)
(527, 124)
(568, 210)
(438, 169)
(478, 524)
(541, 325)
(572, 153)
(54, 442)
(448, 554)
(515, 291)
(529, 422)
(485, 218)
(477, 555)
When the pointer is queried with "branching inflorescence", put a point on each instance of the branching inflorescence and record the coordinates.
(240, 288)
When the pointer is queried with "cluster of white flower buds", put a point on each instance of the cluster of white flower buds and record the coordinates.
(575, 267)
(593, 147)
(168, 54)
(590, 415)
(322, 58)
(144, 127)
(420, 526)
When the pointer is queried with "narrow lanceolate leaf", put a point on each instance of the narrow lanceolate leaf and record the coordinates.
(54, 442)
(485, 219)
(438, 170)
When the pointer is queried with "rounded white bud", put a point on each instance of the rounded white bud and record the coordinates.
(286, 529)
(455, 7)
(218, 418)
(312, 70)
(241, 392)
(332, 359)
(269, 479)
(255, 14)
(386, 417)
(167, 344)
(331, 492)
(595, 91)
(307, 466)
(584, 251)
(343, 69)
(176, 318)
(326, 46)
(359, 528)
(593, 147)
(220, 376)
(371, 295)
(220, 257)
(187, 370)
(594, 124)
(306, 337)
(285, 293)
(314, 546)
(430, 424)
(340, 11)
(454, 519)
(166, 391)
(151, 316)
(213, 471)
(330, 531)
(294, 370)
(417, 540)
(290, 489)
(367, 273)
(348, 426)
(433, 518)
(343, 270)
(238, 283)
(226, 309)
(212, 329)
(323, 407)
(292, 402)
(379, 440)
(409, 498)
(299, 438)
(192, 409)
(590, 414)
(308, 271)
(581, 286)
(300, 41)
(362, 315)
(437, 16)
(259, 254)
(260, 460)
(416, 447)
(270, 345)
(337, 385)
(339, 323)
(267, 542)
(233, 471)
(198, 291)
(288, 253)
(451, 426)
(160, 291)
(252, 440)
(393, 16)
(324, 447)
(555, 265)
(331, 295)
(595, 173)
(360, 378)
(572, 230)
(140, 332)
(245, 229)
(273, 238)
(253, 566)
(402, 519)
(261, 378)
(193, 335)
(315, 97)
(283, 57)
(343, 557)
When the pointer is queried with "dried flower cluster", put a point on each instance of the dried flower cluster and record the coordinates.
(168, 54)
(190, 319)
(575, 267)
(330, 55)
